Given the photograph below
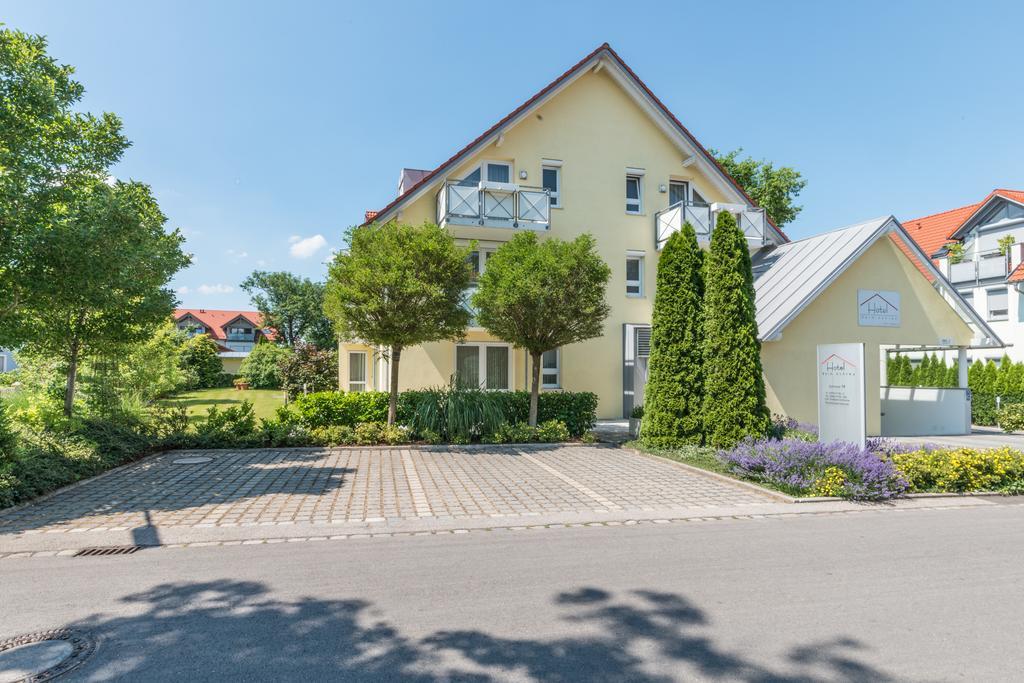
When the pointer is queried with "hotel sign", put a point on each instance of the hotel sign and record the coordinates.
(841, 408)
(877, 308)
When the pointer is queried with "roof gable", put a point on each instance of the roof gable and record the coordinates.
(791, 276)
(216, 320)
(604, 57)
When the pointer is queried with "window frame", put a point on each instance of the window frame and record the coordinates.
(686, 191)
(639, 283)
(1005, 312)
(639, 194)
(366, 372)
(556, 194)
(556, 371)
(482, 363)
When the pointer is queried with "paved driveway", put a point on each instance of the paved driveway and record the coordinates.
(330, 486)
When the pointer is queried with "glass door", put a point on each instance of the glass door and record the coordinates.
(678, 191)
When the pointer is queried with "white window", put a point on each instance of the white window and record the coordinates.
(696, 198)
(483, 366)
(551, 178)
(678, 191)
(478, 260)
(357, 371)
(550, 369)
(491, 171)
(634, 275)
(634, 194)
(998, 304)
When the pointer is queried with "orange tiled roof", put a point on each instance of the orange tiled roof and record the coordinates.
(216, 320)
(934, 231)
(1018, 274)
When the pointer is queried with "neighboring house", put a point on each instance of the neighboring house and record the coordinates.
(980, 249)
(235, 332)
(7, 361)
(596, 151)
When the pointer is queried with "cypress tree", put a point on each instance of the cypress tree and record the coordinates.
(922, 372)
(892, 370)
(975, 376)
(674, 393)
(1004, 380)
(907, 373)
(990, 377)
(734, 394)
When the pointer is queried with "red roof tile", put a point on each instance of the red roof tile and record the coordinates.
(1018, 274)
(426, 179)
(216, 320)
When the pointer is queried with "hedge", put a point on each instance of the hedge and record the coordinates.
(578, 410)
(983, 406)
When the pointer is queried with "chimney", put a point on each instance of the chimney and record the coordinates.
(370, 216)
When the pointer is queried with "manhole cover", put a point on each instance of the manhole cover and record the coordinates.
(192, 460)
(43, 655)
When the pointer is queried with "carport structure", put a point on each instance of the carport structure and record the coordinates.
(858, 285)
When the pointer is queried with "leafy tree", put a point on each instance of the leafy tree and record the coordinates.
(144, 371)
(49, 155)
(308, 369)
(291, 305)
(200, 362)
(398, 286)
(542, 295)
(775, 189)
(99, 278)
(734, 393)
(673, 396)
(260, 367)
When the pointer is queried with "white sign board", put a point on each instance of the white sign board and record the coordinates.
(878, 308)
(841, 409)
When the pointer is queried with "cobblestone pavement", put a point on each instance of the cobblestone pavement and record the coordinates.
(323, 486)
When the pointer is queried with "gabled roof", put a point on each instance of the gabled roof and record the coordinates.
(217, 320)
(790, 276)
(1017, 275)
(934, 231)
(609, 56)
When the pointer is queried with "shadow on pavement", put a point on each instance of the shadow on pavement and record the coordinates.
(234, 629)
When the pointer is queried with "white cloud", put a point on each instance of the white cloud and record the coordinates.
(306, 247)
(215, 289)
(183, 290)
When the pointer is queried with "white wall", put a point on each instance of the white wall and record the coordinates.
(912, 411)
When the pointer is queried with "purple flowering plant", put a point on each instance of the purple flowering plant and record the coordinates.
(798, 466)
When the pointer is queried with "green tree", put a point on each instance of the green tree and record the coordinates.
(1004, 376)
(293, 306)
(150, 370)
(674, 392)
(99, 278)
(734, 393)
(543, 295)
(49, 155)
(399, 286)
(775, 189)
(990, 377)
(260, 367)
(199, 361)
(308, 369)
(976, 376)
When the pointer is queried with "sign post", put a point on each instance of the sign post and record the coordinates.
(842, 414)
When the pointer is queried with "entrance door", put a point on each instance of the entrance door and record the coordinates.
(643, 357)
(678, 191)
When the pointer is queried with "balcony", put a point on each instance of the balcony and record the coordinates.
(987, 265)
(702, 217)
(493, 205)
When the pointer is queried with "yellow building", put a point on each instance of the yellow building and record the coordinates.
(595, 151)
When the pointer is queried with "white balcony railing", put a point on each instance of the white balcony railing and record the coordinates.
(753, 222)
(984, 266)
(499, 205)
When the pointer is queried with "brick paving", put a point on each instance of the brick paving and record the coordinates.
(323, 486)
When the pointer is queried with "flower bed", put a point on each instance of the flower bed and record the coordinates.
(962, 470)
(810, 468)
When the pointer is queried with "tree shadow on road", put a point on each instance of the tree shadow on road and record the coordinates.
(235, 630)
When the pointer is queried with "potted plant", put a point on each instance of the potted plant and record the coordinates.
(242, 383)
(634, 421)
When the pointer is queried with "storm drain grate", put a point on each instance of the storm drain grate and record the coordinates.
(109, 550)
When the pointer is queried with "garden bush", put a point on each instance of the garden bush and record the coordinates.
(458, 414)
(808, 468)
(1011, 418)
(551, 431)
(200, 365)
(233, 427)
(336, 408)
(261, 365)
(961, 470)
(308, 369)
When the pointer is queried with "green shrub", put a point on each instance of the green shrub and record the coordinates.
(371, 433)
(458, 414)
(261, 365)
(308, 369)
(337, 435)
(233, 427)
(1011, 418)
(552, 431)
(333, 408)
(199, 362)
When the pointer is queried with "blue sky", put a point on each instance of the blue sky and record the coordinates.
(262, 126)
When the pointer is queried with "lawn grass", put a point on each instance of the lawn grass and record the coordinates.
(698, 456)
(264, 401)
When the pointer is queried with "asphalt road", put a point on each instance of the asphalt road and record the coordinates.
(874, 596)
